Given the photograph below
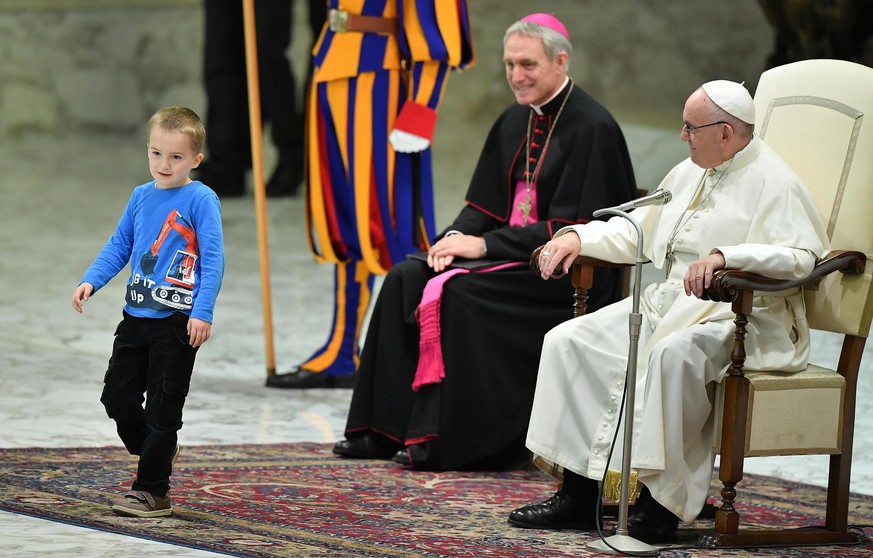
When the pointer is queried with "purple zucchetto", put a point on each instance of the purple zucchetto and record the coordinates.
(548, 20)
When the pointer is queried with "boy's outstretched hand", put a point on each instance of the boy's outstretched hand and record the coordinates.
(81, 294)
(198, 332)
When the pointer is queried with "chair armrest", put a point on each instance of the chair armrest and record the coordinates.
(582, 277)
(727, 283)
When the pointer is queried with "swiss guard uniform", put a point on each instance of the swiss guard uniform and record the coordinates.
(380, 69)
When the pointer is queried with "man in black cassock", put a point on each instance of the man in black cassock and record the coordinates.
(550, 160)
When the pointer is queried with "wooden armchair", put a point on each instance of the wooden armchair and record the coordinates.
(818, 115)
(799, 413)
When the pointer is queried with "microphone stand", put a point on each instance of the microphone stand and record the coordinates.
(621, 542)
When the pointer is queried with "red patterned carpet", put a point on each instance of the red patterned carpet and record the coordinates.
(300, 500)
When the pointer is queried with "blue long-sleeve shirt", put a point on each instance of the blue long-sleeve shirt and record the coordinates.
(173, 240)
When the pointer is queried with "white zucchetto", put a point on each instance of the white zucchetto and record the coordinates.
(733, 98)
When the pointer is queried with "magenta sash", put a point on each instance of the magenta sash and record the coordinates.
(431, 368)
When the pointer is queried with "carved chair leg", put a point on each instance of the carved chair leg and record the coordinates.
(735, 413)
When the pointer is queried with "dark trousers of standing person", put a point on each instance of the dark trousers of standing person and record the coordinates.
(152, 357)
(227, 117)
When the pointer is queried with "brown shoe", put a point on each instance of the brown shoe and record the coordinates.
(139, 503)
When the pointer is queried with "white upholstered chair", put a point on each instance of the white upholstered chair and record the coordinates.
(818, 115)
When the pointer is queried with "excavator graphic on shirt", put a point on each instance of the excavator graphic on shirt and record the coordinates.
(178, 294)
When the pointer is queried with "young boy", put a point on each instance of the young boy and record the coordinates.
(171, 235)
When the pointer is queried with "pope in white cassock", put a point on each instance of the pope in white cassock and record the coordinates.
(734, 204)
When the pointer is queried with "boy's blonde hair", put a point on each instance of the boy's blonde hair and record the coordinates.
(180, 119)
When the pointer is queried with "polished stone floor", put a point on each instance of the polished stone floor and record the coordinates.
(59, 201)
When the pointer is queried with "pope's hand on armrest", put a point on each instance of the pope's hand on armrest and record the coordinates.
(558, 254)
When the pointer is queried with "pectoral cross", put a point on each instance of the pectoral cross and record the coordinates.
(525, 208)
(671, 259)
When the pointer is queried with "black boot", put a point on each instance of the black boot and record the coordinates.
(650, 522)
(574, 506)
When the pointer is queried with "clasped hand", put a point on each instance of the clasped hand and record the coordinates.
(445, 250)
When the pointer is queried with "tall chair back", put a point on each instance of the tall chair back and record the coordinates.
(818, 116)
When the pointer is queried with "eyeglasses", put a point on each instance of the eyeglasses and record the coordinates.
(689, 129)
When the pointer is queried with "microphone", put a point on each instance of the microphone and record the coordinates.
(658, 197)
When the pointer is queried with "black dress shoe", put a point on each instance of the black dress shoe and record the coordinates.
(402, 457)
(650, 522)
(224, 181)
(306, 379)
(367, 446)
(286, 179)
(561, 511)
